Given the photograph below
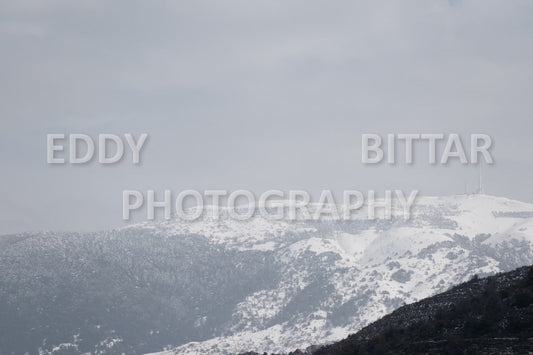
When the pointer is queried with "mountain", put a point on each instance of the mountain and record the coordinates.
(490, 316)
(226, 286)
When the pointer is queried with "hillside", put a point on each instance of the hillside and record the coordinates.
(490, 316)
(226, 286)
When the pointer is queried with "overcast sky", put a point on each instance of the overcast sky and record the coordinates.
(255, 95)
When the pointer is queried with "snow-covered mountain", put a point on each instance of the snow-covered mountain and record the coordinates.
(338, 276)
(226, 286)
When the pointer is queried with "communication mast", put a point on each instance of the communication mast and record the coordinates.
(479, 190)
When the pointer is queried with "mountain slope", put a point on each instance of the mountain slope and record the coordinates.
(491, 316)
(339, 276)
(119, 292)
(225, 286)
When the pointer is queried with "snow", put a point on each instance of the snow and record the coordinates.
(379, 265)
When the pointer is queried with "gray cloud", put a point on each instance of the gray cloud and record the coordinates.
(258, 95)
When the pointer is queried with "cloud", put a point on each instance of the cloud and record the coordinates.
(256, 95)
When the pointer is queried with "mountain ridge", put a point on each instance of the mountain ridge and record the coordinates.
(225, 286)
